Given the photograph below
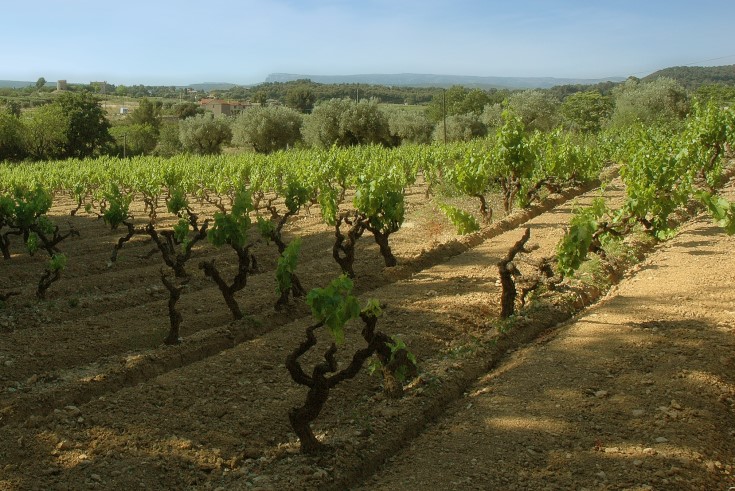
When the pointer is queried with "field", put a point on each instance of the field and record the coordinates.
(156, 335)
(91, 399)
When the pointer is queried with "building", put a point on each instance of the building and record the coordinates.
(222, 107)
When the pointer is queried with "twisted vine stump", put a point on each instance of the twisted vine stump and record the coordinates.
(174, 293)
(343, 250)
(319, 383)
(507, 271)
(238, 283)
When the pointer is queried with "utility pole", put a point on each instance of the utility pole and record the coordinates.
(444, 112)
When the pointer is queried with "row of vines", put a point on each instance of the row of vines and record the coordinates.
(358, 191)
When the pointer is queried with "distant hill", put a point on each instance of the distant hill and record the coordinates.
(692, 77)
(424, 80)
(209, 86)
(14, 84)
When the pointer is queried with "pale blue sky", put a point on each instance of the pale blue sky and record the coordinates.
(181, 42)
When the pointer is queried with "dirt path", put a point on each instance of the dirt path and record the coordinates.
(638, 393)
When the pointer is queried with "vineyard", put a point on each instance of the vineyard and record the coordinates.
(292, 320)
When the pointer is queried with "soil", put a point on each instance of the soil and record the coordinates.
(627, 398)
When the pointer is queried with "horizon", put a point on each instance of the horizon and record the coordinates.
(242, 43)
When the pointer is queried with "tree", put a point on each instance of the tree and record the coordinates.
(185, 110)
(47, 129)
(301, 98)
(460, 127)
(345, 122)
(135, 139)
(204, 134)
(40, 83)
(586, 111)
(364, 123)
(88, 130)
(260, 97)
(267, 129)
(409, 126)
(147, 113)
(169, 143)
(662, 101)
(458, 100)
(11, 136)
(537, 109)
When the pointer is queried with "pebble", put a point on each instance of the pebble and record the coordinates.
(601, 393)
(661, 439)
(637, 413)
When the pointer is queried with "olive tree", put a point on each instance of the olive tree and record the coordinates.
(537, 109)
(663, 100)
(204, 134)
(344, 122)
(409, 126)
(461, 127)
(268, 128)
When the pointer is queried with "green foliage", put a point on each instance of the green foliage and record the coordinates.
(268, 128)
(231, 228)
(574, 246)
(46, 132)
(287, 266)
(381, 199)
(460, 100)
(343, 122)
(181, 232)
(147, 113)
(11, 136)
(460, 127)
(329, 205)
(708, 131)
(662, 101)
(538, 110)
(409, 126)
(88, 127)
(204, 134)
(334, 305)
(134, 139)
(30, 206)
(694, 77)
(586, 111)
(169, 143)
(296, 195)
(57, 262)
(464, 221)
(301, 98)
(177, 202)
(117, 206)
(395, 347)
(722, 210)
(657, 176)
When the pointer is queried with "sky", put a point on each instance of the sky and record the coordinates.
(162, 42)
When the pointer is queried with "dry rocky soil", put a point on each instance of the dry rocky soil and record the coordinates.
(635, 392)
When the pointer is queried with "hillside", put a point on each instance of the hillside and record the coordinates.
(692, 77)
